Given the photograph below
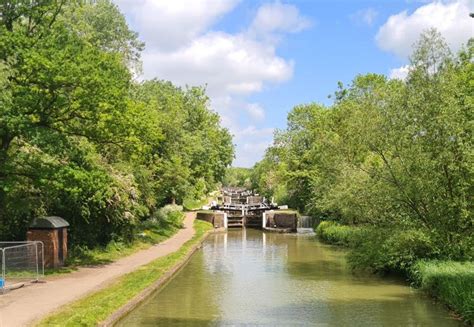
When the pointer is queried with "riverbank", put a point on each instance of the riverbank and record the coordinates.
(95, 308)
(448, 281)
(24, 306)
(167, 222)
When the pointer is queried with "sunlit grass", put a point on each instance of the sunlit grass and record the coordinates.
(450, 281)
(146, 236)
(96, 307)
(334, 233)
(196, 204)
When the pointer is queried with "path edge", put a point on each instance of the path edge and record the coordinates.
(143, 295)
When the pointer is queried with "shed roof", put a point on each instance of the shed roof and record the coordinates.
(52, 222)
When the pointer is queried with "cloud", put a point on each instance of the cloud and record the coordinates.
(227, 63)
(256, 111)
(402, 30)
(253, 132)
(168, 25)
(399, 73)
(183, 46)
(278, 18)
(247, 152)
(251, 144)
(366, 16)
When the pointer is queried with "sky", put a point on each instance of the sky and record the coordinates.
(258, 59)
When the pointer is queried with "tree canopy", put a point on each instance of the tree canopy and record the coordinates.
(388, 153)
(81, 138)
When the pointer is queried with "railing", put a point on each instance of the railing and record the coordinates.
(21, 261)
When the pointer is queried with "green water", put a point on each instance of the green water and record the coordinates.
(243, 278)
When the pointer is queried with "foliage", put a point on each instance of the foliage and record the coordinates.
(334, 233)
(392, 156)
(165, 223)
(79, 138)
(238, 177)
(452, 282)
(195, 204)
(389, 250)
(96, 307)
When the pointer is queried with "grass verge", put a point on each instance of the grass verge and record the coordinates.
(334, 233)
(96, 307)
(195, 204)
(451, 282)
(148, 234)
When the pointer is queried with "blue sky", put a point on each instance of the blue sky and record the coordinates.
(261, 58)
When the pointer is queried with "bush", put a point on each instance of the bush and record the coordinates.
(383, 250)
(367, 252)
(169, 215)
(334, 233)
(450, 281)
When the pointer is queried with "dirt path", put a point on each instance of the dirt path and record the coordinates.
(28, 304)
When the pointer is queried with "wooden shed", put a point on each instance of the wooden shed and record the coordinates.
(52, 231)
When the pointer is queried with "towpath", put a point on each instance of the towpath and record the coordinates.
(24, 306)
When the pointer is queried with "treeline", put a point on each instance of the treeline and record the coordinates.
(392, 157)
(238, 176)
(81, 138)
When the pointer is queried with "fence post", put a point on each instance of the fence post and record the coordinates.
(42, 258)
(3, 270)
(37, 266)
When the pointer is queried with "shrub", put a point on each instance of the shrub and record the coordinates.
(169, 215)
(450, 281)
(334, 233)
(403, 248)
(386, 249)
(367, 252)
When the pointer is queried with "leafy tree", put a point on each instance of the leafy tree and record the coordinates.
(394, 155)
(80, 139)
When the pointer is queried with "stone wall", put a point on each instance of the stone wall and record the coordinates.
(284, 220)
(254, 199)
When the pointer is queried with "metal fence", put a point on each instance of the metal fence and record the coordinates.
(21, 262)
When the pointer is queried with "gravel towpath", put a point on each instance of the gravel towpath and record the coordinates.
(24, 306)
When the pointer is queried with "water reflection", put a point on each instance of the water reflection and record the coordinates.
(246, 277)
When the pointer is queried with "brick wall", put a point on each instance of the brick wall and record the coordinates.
(49, 237)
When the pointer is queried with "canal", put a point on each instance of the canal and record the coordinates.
(246, 277)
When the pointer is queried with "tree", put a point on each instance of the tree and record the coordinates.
(392, 154)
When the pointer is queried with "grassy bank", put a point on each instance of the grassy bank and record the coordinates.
(94, 308)
(194, 204)
(449, 281)
(334, 233)
(149, 232)
(191, 204)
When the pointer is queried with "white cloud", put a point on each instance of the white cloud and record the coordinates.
(399, 73)
(256, 111)
(254, 132)
(167, 25)
(227, 63)
(366, 16)
(247, 152)
(402, 30)
(278, 18)
(183, 47)
(251, 143)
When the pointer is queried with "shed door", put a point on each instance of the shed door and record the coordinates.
(61, 244)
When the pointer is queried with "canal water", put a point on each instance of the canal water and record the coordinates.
(251, 278)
